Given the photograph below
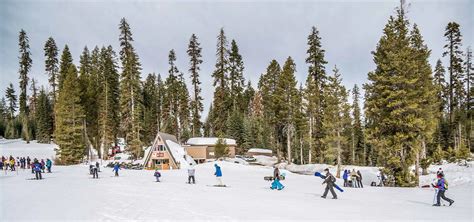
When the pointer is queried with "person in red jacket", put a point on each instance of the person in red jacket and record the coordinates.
(441, 186)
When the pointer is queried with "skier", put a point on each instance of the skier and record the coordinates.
(42, 165)
(37, 169)
(359, 179)
(95, 174)
(345, 176)
(329, 180)
(49, 163)
(98, 166)
(12, 163)
(116, 169)
(157, 175)
(191, 172)
(28, 162)
(441, 186)
(218, 174)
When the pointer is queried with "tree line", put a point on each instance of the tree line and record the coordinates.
(411, 115)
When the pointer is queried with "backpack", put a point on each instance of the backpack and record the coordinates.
(445, 184)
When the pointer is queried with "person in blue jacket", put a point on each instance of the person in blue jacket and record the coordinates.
(345, 176)
(49, 163)
(37, 169)
(441, 185)
(116, 169)
(157, 175)
(218, 174)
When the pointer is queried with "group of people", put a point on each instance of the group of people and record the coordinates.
(37, 166)
(352, 178)
(94, 170)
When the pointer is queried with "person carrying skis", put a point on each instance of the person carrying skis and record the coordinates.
(329, 180)
(157, 175)
(37, 169)
(191, 172)
(49, 163)
(218, 174)
(442, 186)
(116, 169)
(95, 173)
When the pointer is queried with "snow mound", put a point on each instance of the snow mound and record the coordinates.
(455, 174)
(209, 141)
(259, 150)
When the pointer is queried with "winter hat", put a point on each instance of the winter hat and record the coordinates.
(327, 170)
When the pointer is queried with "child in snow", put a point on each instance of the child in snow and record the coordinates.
(95, 172)
(116, 169)
(276, 180)
(37, 169)
(329, 180)
(442, 187)
(49, 163)
(157, 175)
(345, 176)
(191, 172)
(218, 174)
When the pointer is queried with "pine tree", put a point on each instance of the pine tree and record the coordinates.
(64, 65)
(248, 96)
(51, 65)
(442, 99)
(109, 100)
(221, 94)
(12, 101)
(469, 80)
(183, 109)
(221, 149)
(314, 88)
(208, 125)
(130, 91)
(236, 130)
(236, 77)
(150, 105)
(3, 116)
(334, 121)
(171, 98)
(194, 53)
(69, 120)
(25, 66)
(286, 95)
(358, 155)
(44, 120)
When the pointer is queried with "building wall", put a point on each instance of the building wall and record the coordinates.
(206, 152)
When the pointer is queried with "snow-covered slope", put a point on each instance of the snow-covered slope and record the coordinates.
(69, 193)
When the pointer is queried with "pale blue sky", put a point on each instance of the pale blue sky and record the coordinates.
(264, 30)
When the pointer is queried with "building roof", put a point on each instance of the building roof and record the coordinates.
(209, 141)
(166, 136)
(259, 150)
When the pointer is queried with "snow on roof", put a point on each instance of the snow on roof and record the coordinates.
(179, 154)
(209, 141)
(259, 150)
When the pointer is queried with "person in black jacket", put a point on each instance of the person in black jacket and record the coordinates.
(359, 179)
(329, 180)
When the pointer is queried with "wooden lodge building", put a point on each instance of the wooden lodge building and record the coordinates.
(159, 155)
(201, 149)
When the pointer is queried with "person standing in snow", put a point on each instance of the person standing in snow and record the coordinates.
(442, 186)
(116, 169)
(98, 166)
(12, 163)
(28, 162)
(95, 173)
(191, 172)
(359, 179)
(37, 169)
(329, 180)
(345, 176)
(354, 178)
(157, 175)
(218, 174)
(276, 180)
(49, 163)
(42, 165)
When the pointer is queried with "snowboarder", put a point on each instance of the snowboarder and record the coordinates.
(359, 179)
(345, 176)
(157, 175)
(116, 169)
(218, 174)
(95, 174)
(191, 172)
(37, 169)
(49, 163)
(329, 180)
(276, 180)
(441, 186)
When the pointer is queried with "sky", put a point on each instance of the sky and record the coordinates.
(263, 30)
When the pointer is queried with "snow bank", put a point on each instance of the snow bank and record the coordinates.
(259, 150)
(209, 141)
(454, 173)
(19, 148)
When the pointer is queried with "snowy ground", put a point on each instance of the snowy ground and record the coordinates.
(69, 193)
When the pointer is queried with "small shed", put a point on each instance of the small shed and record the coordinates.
(259, 152)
